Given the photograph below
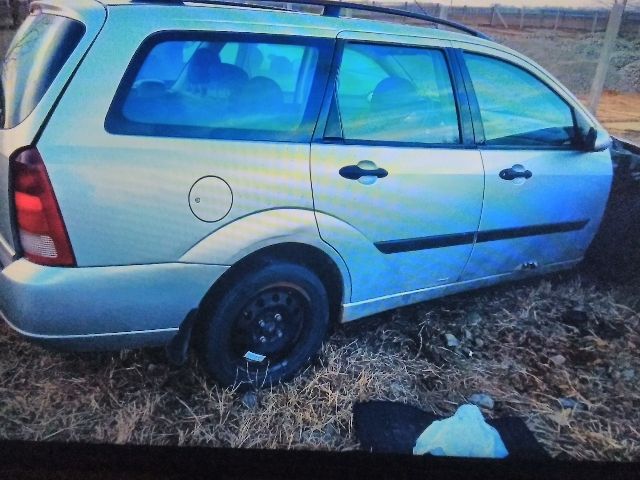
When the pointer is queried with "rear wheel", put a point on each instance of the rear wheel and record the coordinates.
(266, 327)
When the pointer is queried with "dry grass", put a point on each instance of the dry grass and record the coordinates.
(509, 336)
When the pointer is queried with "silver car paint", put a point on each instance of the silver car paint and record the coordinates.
(125, 199)
(566, 186)
(92, 15)
(428, 192)
(62, 306)
(357, 310)
(90, 164)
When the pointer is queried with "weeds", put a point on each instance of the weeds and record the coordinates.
(534, 347)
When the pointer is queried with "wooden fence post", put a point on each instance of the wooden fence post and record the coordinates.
(613, 27)
(557, 22)
(521, 18)
(595, 23)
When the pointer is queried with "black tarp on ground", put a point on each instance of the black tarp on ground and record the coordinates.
(390, 427)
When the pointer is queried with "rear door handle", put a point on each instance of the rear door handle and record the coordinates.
(354, 172)
(517, 171)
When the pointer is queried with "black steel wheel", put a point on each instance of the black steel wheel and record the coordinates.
(266, 327)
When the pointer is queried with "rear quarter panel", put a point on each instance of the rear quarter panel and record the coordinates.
(125, 198)
(92, 15)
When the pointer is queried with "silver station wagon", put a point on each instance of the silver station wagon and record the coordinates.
(242, 177)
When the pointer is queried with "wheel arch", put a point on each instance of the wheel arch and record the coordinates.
(312, 257)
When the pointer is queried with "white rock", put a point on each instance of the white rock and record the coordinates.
(482, 400)
(452, 341)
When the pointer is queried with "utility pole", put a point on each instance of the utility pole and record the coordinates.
(613, 28)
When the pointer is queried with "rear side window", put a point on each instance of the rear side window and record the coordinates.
(395, 94)
(516, 107)
(256, 87)
(39, 49)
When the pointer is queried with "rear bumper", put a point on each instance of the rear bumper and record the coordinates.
(102, 308)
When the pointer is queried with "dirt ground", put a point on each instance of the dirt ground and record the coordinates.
(533, 347)
(620, 114)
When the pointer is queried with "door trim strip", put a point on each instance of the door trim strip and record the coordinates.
(467, 238)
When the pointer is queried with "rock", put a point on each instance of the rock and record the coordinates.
(575, 318)
(319, 437)
(628, 374)
(474, 319)
(250, 399)
(479, 343)
(467, 335)
(482, 400)
(567, 402)
(452, 341)
(330, 433)
(398, 389)
(571, 403)
(558, 360)
(154, 369)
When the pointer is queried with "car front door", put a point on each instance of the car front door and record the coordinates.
(544, 195)
(397, 181)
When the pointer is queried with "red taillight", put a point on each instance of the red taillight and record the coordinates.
(42, 232)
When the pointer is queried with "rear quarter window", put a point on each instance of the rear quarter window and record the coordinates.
(222, 86)
(38, 51)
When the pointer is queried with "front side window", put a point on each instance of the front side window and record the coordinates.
(516, 107)
(221, 87)
(395, 94)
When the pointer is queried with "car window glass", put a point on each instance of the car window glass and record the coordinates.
(166, 62)
(281, 62)
(38, 52)
(218, 89)
(516, 107)
(396, 94)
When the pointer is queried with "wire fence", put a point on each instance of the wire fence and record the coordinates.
(585, 20)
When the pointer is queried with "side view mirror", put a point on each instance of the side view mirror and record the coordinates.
(596, 140)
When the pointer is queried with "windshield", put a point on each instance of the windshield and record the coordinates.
(39, 50)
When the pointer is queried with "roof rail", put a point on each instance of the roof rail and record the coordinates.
(333, 8)
(228, 3)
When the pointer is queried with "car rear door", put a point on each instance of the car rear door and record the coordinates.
(36, 67)
(544, 196)
(397, 181)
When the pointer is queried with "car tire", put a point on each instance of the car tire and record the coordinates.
(266, 327)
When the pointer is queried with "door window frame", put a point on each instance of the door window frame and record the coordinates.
(476, 113)
(459, 90)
